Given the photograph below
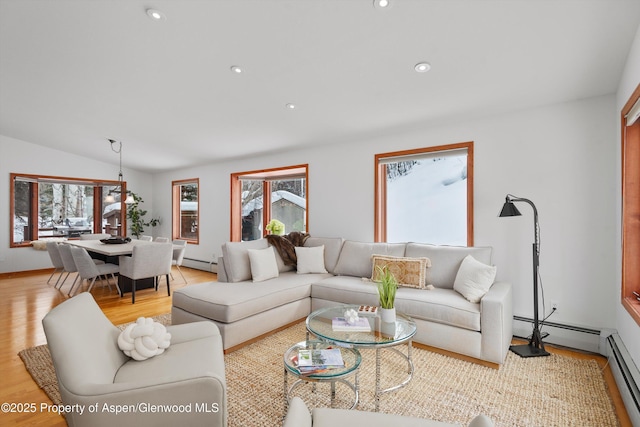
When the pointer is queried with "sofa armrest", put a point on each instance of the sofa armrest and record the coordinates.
(222, 272)
(298, 414)
(496, 321)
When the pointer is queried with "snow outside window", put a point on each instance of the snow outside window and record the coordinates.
(425, 197)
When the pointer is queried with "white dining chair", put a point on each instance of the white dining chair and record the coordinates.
(146, 238)
(68, 263)
(147, 261)
(178, 256)
(162, 239)
(56, 260)
(88, 270)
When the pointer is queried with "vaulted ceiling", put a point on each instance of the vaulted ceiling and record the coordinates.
(74, 73)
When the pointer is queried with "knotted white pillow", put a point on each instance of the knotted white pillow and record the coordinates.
(144, 339)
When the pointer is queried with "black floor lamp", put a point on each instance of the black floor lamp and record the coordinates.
(535, 347)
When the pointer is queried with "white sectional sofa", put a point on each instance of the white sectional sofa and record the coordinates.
(244, 309)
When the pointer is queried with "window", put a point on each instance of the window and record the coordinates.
(185, 210)
(425, 195)
(260, 196)
(631, 205)
(61, 207)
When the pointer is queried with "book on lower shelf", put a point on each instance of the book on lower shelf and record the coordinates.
(341, 324)
(313, 361)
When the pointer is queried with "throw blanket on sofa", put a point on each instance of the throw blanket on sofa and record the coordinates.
(285, 245)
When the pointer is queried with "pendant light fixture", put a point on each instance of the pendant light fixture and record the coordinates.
(110, 197)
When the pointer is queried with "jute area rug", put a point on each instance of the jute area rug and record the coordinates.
(547, 391)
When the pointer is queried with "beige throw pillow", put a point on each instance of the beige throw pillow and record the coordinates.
(263, 264)
(474, 279)
(409, 272)
(310, 259)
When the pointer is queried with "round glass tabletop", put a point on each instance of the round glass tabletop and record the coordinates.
(350, 356)
(380, 334)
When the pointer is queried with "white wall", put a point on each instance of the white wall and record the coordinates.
(627, 328)
(24, 157)
(560, 156)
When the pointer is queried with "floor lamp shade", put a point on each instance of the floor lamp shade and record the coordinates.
(535, 347)
(509, 209)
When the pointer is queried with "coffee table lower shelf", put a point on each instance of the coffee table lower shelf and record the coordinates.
(352, 361)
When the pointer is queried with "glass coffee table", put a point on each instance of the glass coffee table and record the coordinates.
(350, 356)
(381, 336)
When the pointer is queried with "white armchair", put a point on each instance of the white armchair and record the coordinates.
(150, 260)
(94, 373)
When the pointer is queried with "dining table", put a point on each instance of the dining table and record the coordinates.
(110, 252)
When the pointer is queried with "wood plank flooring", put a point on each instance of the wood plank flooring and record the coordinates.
(26, 298)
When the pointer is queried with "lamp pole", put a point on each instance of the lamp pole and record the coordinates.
(536, 346)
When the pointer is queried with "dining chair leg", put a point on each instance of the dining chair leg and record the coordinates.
(180, 271)
(74, 284)
(117, 286)
(133, 291)
(168, 286)
(64, 280)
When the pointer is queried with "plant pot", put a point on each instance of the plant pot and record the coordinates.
(388, 315)
(388, 329)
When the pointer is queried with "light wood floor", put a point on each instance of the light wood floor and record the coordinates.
(26, 298)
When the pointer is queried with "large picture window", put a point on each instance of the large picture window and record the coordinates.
(185, 210)
(425, 195)
(260, 196)
(45, 206)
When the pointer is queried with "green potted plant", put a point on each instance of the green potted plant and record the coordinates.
(275, 227)
(135, 215)
(387, 287)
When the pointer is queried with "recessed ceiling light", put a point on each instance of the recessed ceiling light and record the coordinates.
(422, 67)
(381, 4)
(236, 69)
(156, 15)
(291, 106)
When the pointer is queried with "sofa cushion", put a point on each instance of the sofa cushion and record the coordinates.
(236, 259)
(263, 264)
(410, 272)
(446, 260)
(438, 305)
(355, 257)
(474, 279)
(332, 248)
(230, 302)
(310, 260)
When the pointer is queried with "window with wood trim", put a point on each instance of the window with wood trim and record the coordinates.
(186, 213)
(425, 195)
(262, 195)
(630, 132)
(50, 206)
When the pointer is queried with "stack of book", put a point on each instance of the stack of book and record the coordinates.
(361, 324)
(312, 362)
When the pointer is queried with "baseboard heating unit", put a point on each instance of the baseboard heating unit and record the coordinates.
(627, 376)
(199, 264)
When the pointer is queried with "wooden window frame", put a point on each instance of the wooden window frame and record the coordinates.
(380, 178)
(176, 198)
(34, 200)
(630, 209)
(268, 175)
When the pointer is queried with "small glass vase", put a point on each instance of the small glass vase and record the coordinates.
(388, 315)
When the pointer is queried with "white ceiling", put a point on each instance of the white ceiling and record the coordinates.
(74, 73)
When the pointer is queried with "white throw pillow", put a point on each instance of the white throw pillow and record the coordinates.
(310, 259)
(263, 264)
(474, 279)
